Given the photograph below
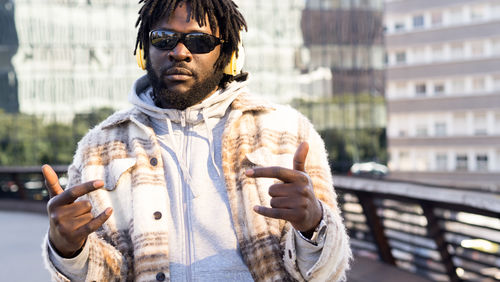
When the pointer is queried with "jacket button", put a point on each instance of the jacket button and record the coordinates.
(157, 215)
(160, 276)
(153, 161)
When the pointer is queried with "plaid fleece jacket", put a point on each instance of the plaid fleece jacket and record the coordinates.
(132, 246)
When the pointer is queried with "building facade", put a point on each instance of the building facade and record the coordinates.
(74, 56)
(443, 90)
(326, 58)
(8, 47)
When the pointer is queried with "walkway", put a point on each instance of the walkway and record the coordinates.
(22, 233)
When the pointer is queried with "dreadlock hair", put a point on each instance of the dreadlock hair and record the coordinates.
(223, 14)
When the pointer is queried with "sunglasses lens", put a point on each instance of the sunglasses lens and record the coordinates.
(200, 43)
(164, 40)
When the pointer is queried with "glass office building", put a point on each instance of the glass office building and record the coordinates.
(74, 56)
(325, 57)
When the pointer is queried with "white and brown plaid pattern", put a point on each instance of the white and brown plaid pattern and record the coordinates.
(131, 246)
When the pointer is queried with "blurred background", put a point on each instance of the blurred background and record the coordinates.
(406, 94)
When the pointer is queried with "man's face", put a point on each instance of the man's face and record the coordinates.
(180, 78)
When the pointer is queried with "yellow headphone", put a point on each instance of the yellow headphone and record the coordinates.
(233, 68)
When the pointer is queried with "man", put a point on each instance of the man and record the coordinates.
(200, 181)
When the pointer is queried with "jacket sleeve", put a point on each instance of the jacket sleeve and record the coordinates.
(103, 263)
(333, 262)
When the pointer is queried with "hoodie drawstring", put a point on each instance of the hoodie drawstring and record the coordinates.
(210, 142)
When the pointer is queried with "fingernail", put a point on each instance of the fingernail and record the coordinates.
(98, 183)
(108, 211)
(256, 208)
(249, 172)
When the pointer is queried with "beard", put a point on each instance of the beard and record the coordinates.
(170, 99)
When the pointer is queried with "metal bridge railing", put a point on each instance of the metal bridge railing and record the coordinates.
(440, 233)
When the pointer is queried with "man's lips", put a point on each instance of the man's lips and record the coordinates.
(176, 73)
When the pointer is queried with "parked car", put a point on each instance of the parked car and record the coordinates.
(369, 169)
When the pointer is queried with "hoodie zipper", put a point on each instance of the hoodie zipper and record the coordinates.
(186, 205)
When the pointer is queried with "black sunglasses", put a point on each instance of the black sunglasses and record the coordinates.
(197, 43)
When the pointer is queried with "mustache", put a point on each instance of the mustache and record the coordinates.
(178, 68)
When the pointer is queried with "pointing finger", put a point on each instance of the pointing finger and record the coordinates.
(51, 181)
(285, 214)
(299, 159)
(284, 174)
(97, 222)
(71, 194)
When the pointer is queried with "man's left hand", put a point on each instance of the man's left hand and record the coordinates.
(293, 200)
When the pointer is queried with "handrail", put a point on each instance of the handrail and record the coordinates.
(452, 223)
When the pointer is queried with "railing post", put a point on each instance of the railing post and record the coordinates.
(376, 226)
(436, 233)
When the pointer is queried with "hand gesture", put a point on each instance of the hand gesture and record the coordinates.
(70, 222)
(293, 200)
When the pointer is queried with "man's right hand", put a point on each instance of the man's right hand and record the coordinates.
(71, 222)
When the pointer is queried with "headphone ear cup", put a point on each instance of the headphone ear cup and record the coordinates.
(139, 56)
(237, 62)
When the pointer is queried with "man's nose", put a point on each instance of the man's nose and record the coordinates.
(180, 53)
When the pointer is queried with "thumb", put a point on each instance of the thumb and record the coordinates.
(51, 181)
(299, 159)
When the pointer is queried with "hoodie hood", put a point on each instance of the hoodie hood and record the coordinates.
(214, 106)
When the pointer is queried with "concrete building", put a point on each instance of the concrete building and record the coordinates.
(443, 91)
(74, 56)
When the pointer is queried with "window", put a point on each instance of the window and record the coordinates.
(421, 131)
(405, 162)
(436, 18)
(420, 89)
(480, 124)
(482, 162)
(399, 26)
(461, 164)
(441, 162)
(439, 88)
(495, 46)
(477, 49)
(401, 89)
(497, 124)
(419, 55)
(458, 86)
(457, 50)
(456, 16)
(496, 82)
(418, 21)
(460, 124)
(477, 13)
(478, 84)
(440, 129)
(401, 57)
(437, 53)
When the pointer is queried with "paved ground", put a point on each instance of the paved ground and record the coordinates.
(20, 244)
(20, 256)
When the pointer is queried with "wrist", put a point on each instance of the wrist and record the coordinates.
(65, 253)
